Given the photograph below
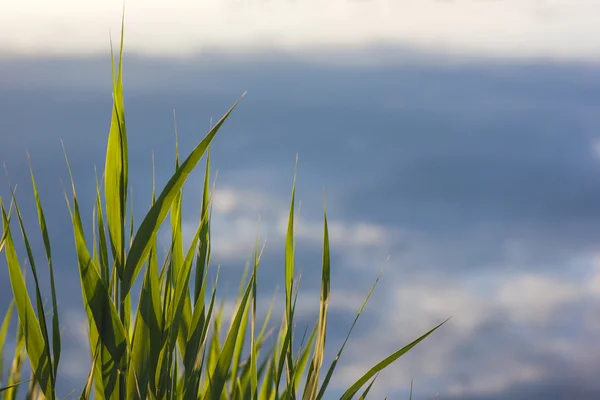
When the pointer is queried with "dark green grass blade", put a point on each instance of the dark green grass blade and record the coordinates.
(56, 345)
(363, 396)
(150, 224)
(384, 363)
(34, 340)
(411, 390)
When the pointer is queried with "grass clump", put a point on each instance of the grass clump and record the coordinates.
(173, 347)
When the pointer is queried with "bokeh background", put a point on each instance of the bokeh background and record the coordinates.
(457, 141)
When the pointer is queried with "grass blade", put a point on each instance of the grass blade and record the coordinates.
(3, 330)
(56, 346)
(150, 224)
(34, 340)
(312, 385)
(116, 166)
(102, 314)
(384, 363)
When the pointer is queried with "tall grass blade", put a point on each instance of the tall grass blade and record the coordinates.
(219, 374)
(150, 224)
(312, 385)
(38, 294)
(383, 364)
(102, 314)
(333, 365)
(34, 340)
(146, 339)
(116, 166)
(56, 345)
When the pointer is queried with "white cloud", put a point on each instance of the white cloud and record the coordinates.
(552, 28)
(494, 365)
(533, 298)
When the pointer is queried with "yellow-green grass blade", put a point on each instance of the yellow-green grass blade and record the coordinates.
(116, 166)
(239, 345)
(102, 313)
(253, 344)
(340, 351)
(3, 330)
(33, 391)
(219, 374)
(312, 385)
(146, 340)
(300, 366)
(363, 396)
(38, 294)
(383, 364)
(181, 291)
(17, 363)
(289, 257)
(34, 340)
(153, 219)
(56, 345)
(175, 308)
(195, 342)
(87, 389)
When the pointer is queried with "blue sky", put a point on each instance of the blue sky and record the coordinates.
(460, 139)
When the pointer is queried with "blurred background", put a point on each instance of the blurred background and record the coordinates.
(457, 142)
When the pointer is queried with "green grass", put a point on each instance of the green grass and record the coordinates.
(176, 345)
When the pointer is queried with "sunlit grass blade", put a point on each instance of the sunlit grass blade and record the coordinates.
(150, 224)
(300, 366)
(383, 364)
(38, 294)
(37, 350)
(87, 389)
(17, 364)
(204, 245)
(146, 340)
(102, 313)
(3, 330)
(312, 384)
(56, 345)
(116, 166)
(219, 374)
(340, 351)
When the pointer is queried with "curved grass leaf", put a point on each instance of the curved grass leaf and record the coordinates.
(34, 340)
(383, 364)
(151, 222)
(56, 346)
(102, 314)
